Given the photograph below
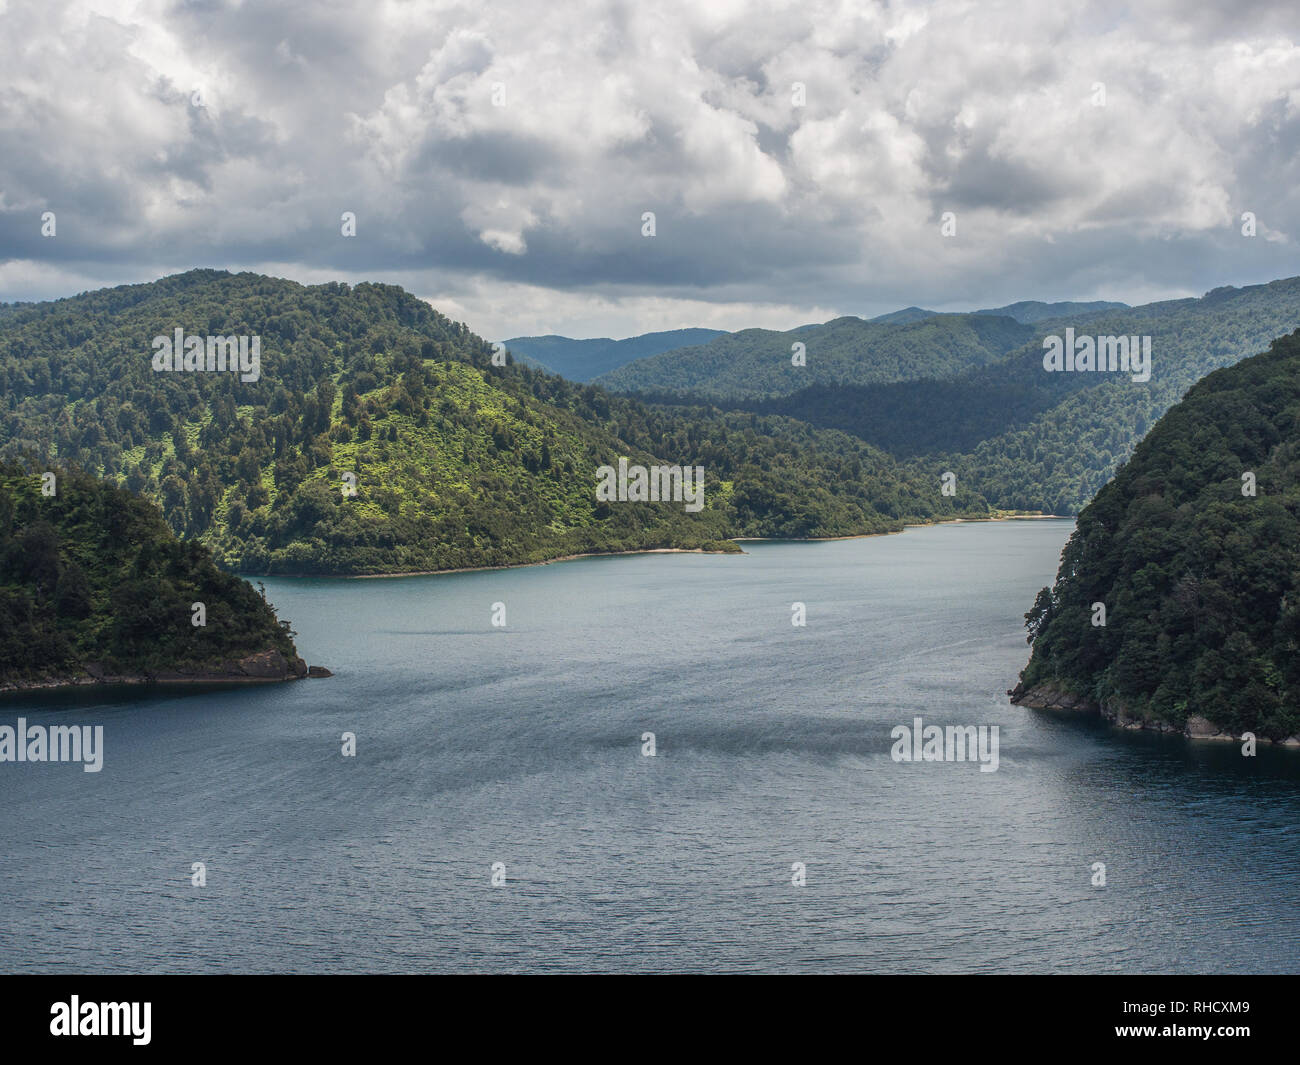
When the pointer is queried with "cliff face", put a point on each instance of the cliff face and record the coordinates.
(1176, 606)
(95, 588)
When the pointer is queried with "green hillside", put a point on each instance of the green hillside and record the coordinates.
(457, 462)
(1031, 440)
(94, 584)
(1200, 581)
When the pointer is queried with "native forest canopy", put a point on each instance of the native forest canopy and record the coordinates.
(1194, 550)
(92, 577)
(457, 462)
(951, 393)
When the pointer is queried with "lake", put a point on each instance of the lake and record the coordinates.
(522, 745)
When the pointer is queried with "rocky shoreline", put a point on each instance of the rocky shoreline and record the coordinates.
(263, 667)
(1047, 697)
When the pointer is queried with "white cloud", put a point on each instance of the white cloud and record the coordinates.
(683, 108)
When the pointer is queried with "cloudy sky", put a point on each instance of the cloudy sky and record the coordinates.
(499, 156)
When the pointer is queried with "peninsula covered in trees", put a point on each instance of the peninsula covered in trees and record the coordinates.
(1176, 606)
(95, 587)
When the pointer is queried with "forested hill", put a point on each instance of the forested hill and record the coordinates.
(757, 364)
(1030, 440)
(1193, 549)
(455, 461)
(1025, 311)
(94, 585)
(1033, 311)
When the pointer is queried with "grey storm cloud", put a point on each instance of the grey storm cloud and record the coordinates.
(798, 157)
(499, 156)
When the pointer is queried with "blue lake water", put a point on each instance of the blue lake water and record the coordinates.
(478, 745)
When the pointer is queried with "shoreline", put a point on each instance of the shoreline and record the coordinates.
(263, 667)
(488, 569)
(1197, 729)
(899, 532)
(130, 680)
(648, 551)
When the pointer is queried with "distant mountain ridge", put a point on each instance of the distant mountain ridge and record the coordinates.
(904, 317)
(909, 344)
(600, 358)
(1027, 312)
(1031, 312)
(758, 364)
(583, 360)
(1033, 440)
(968, 392)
